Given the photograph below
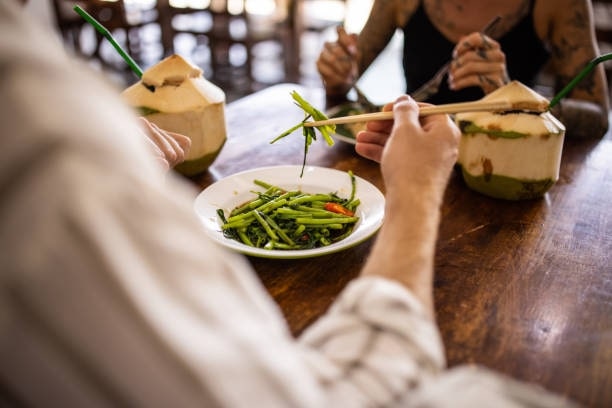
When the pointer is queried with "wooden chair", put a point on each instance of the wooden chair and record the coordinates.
(224, 28)
(311, 21)
(68, 23)
(86, 42)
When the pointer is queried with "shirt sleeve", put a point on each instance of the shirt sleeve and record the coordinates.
(375, 344)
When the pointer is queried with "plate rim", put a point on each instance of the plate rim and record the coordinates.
(206, 212)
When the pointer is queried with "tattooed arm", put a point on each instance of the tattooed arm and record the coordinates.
(385, 17)
(342, 62)
(584, 111)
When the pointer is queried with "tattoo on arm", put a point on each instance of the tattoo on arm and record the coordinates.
(571, 52)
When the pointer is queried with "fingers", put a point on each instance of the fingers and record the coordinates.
(474, 41)
(478, 60)
(160, 157)
(168, 146)
(487, 74)
(371, 144)
(419, 150)
(411, 147)
(183, 141)
(347, 41)
(381, 125)
(337, 63)
(336, 58)
(372, 141)
(405, 112)
(335, 68)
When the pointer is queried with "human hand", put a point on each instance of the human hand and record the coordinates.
(478, 60)
(417, 155)
(169, 148)
(337, 63)
(411, 149)
(371, 141)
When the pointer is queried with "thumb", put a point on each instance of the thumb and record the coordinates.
(405, 111)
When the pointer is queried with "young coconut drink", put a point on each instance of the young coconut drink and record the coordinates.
(513, 155)
(174, 95)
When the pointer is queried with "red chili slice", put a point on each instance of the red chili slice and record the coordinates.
(338, 209)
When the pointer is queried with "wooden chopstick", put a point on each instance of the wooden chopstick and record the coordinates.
(474, 106)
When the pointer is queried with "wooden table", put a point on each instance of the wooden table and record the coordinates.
(524, 288)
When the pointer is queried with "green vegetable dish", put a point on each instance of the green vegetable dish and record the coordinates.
(291, 220)
(308, 132)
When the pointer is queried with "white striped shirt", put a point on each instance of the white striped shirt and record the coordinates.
(111, 294)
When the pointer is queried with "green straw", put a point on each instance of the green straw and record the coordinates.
(585, 71)
(102, 30)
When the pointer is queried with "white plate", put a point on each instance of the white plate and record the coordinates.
(236, 189)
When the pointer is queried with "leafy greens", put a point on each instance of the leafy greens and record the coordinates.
(308, 132)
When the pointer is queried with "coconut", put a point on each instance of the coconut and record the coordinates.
(174, 95)
(512, 155)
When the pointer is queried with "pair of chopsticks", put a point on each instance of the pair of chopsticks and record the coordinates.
(482, 105)
(473, 106)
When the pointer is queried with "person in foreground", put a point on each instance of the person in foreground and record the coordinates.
(532, 37)
(112, 294)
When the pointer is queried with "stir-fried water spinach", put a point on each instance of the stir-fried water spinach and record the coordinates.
(308, 132)
(280, 219)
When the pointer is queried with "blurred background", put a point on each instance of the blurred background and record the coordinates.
(241, 45)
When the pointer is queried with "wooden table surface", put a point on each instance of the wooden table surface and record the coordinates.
(524, 288)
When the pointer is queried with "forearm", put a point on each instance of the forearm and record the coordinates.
(373, 38)
(405, 246)
(582, 119)
(376, 33)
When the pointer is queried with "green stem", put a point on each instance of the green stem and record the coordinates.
(585, 71)
(102, 30)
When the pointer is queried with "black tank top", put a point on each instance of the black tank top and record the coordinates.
(426, 50)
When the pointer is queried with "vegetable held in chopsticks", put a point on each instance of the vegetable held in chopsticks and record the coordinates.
(308, 132)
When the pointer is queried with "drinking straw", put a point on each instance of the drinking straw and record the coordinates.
(585, 71)
(102, 30)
